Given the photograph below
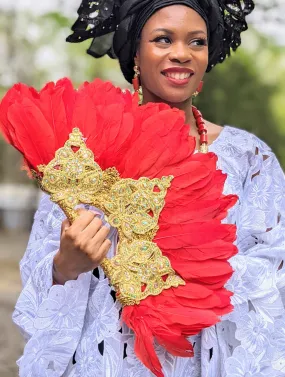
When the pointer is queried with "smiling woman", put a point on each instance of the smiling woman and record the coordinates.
(219, 239)
(172, 55)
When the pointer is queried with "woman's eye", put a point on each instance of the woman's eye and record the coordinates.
(200, 42)
(162, 40)
(196, 42)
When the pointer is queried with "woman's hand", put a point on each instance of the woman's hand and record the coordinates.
(83, 246)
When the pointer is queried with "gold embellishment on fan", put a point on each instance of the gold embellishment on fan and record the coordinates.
(132, 206)
(137, 271)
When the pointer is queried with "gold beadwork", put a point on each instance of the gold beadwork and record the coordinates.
(132, 206)
(140, 264)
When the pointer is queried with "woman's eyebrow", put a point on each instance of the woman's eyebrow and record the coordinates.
(168, 31)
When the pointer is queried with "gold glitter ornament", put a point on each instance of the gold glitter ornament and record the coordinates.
(140, 264)
(131, 206)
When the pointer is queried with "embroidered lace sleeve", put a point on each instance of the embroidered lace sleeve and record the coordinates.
(50, 317)
(255, 340)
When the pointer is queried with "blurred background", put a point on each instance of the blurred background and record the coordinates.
(248, 92)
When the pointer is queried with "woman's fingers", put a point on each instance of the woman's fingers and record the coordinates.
(83, 244)
(83, 220)
(64, 225)
(102, 252)
(92, 228)
(105, 248)
(100, 235)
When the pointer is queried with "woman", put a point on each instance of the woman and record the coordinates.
(75, 329)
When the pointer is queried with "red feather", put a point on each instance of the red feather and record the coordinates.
(37, 148)
(56, 110)
(151, 141)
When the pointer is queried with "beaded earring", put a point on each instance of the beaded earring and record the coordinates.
(136, 84)
(199, 89)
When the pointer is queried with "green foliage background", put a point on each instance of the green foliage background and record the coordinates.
(235, 94)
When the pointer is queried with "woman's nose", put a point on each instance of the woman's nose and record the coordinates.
(180, 53)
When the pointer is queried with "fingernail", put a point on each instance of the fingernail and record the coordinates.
(95, 212)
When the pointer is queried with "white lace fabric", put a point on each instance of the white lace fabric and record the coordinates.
(75, 330)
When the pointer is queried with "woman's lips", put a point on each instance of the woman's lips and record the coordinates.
(178, 78)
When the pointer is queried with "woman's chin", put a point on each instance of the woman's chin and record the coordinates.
(176, 98)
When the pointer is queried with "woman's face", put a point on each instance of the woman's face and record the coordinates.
(172, 55)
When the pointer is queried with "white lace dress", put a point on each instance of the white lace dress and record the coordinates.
(75, 330)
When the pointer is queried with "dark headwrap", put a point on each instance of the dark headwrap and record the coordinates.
(115, 26)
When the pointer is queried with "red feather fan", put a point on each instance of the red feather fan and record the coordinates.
(147, 141)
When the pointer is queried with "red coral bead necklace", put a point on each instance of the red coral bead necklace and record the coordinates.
(202, 130)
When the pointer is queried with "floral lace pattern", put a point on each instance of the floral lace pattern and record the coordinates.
(75, 330)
